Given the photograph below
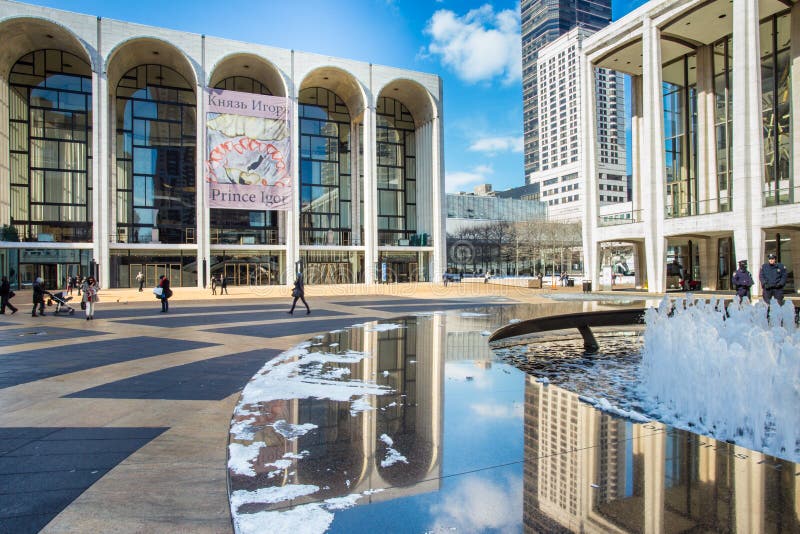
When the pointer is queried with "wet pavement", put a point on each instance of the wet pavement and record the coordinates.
(414, 425)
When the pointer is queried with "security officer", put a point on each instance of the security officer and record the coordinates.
(742, 280)
(773, 277)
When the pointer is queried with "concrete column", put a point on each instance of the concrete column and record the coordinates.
(439, 233)
(707, 249)
(370, 193)
(795, 84)
(588, 167)
(749, 479)
(292, 216)
(5, 157)
(355, 191)
(101, 184)
(748, 152)
(654, 480)
(203, 214)
(652, 156)
(641, 264)
(707, 183)
(636, 144)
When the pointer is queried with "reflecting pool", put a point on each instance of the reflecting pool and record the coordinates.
(416, 425)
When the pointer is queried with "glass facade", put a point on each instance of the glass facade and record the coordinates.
(333, 266)
(244, 227)
(156, 157)
(50, 145)
(680, 136)
(494, 208)
(325, 169)
(776, 109)
(180, 266)
(723, 120)
(249, 268)
(397, 183)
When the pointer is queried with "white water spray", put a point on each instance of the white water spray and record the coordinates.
(736, 377)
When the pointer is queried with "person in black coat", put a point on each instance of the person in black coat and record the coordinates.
(5, 297)
(38, 296)
(773, 277)
(299, 292)
(742, 280)
(166, 293)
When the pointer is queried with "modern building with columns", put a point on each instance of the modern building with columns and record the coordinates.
(104, 159)
(715, 150)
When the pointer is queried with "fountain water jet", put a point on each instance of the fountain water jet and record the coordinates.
(733, 375)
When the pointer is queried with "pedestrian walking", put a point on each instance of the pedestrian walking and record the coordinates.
(445, 278)
(38, 296)
(299, 292)
(742, 281)
(70, 284)
(5, 297)
(773, 277)
(166, 293)
(223, 285)
(90, 290)
(140, 279)
(213, 284)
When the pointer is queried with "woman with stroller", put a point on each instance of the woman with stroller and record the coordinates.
(38, 296)
(89, 299)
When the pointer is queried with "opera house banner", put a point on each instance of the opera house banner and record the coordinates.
(248, 163)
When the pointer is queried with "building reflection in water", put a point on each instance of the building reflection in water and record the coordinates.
(583, 470)
(586, 471)
(345, 454)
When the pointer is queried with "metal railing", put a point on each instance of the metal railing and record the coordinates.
(778, 197)
(620, 217)
(674, 210)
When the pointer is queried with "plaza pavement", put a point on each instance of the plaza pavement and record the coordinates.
(120, 424)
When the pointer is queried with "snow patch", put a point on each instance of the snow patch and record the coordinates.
(241, 457)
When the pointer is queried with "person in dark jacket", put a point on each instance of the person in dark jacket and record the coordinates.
(38, 296)
(773, 277)
(166, 293)
(299, 292)
(742, 280)
(5, 297)
(223, 285)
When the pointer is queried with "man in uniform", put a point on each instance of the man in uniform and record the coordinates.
(773, 277)
(742, 281)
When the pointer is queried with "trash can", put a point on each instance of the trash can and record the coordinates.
(570, 282)
(587, 286)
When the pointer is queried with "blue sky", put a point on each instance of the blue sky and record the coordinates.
(474, 46)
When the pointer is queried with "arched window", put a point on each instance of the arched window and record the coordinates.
(155, 157)
(243, 227)
(50, 145)
(325, 175)
(397, 180)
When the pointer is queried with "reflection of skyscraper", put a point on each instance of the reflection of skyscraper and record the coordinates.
(586, 471)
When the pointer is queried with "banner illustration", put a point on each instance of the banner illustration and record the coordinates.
(248, 163)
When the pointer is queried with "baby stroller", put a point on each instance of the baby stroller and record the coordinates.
(61, 300)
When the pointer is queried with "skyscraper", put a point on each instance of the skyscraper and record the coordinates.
(543, 21)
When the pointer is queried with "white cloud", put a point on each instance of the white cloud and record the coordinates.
(498, 411)
(479, 46)
(493, 145)
(477, 505)
(462, 180)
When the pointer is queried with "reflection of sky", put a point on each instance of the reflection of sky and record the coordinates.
(482, 428)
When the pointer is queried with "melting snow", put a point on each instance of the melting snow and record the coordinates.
(290, 431)
(242, 456)
(392, 456)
